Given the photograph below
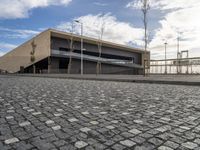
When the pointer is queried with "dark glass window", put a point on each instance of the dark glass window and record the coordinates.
(64, 49)
(103, 55)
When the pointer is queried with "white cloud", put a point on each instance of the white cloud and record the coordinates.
(17, 33)
(114, 30)
(100, 4)
(134, 4)
(11, 9)
(13, 33)
(5, 47)
(2, 53)
(181, 19)
(175, 4)
(164, 4)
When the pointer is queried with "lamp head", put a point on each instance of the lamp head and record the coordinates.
(77, 21)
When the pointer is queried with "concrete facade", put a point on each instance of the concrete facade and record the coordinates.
(90, 68)
(20, 56)
(51, 52)
(59, 42)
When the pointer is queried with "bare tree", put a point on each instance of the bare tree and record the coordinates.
(71, 50)
(99, 44)
(145, 9)
(32, 53)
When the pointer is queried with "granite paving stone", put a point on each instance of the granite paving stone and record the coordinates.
(49, 114)
(73, 120)
(171, 144)
(56, 127)
(85, 129)
(135, 131)
(110, 127)
(164, 148)
(128, 143)
(9, 117)
(49, 122)
(23, 124)
(11, 140)
(80, 144)
(190, 145)
(94, 122)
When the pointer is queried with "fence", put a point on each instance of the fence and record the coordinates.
(175, 66)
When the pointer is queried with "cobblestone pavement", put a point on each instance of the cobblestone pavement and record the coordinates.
(41, 113)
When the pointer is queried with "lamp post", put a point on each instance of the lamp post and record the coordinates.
(77, 21)
(178, 47)
(165, 57)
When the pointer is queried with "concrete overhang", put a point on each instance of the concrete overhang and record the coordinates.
(66, 35)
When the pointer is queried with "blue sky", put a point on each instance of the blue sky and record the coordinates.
(20, 20)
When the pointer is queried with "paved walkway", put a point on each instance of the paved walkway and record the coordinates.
(159, 79)
(50, 114)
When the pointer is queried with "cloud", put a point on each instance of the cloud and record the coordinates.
(2, 53)
(180, 20)
(164, 4)
(17, 33)
(100, 4)
(134, 4)
(14, 34)
(12, 9)
(175, 4)
(114, 30)
(5, 47)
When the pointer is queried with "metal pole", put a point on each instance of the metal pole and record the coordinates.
(71, 50)
(81, 45)
(81, 48)
(187, 63)
(177, 55)
(165, 57)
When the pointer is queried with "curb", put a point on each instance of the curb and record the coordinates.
(113, 79)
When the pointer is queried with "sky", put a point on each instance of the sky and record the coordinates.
(121, 21)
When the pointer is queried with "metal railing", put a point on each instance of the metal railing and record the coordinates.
(176, 66)
(127, 63)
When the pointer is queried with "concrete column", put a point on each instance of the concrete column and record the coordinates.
(49, 65)
(34, 69)
(53, 65)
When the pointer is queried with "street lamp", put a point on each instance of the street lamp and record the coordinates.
(77, 21)
(178, 48)
(165, 57)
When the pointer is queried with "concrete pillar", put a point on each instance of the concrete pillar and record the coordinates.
(53, 65)
(34, 69)
(49, 65)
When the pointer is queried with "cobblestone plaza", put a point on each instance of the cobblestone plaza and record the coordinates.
(48, 114)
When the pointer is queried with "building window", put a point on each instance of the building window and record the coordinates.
(64, 49)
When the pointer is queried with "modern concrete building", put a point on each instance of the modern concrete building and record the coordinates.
(55, 51)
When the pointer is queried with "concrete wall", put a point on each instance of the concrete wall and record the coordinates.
(53, 67)
(20, 56)
(90, 68)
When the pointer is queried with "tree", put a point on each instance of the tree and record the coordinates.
(32, 53)
(145, 7)
(99, 44)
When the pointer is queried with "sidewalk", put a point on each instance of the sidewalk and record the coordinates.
(155, 79)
